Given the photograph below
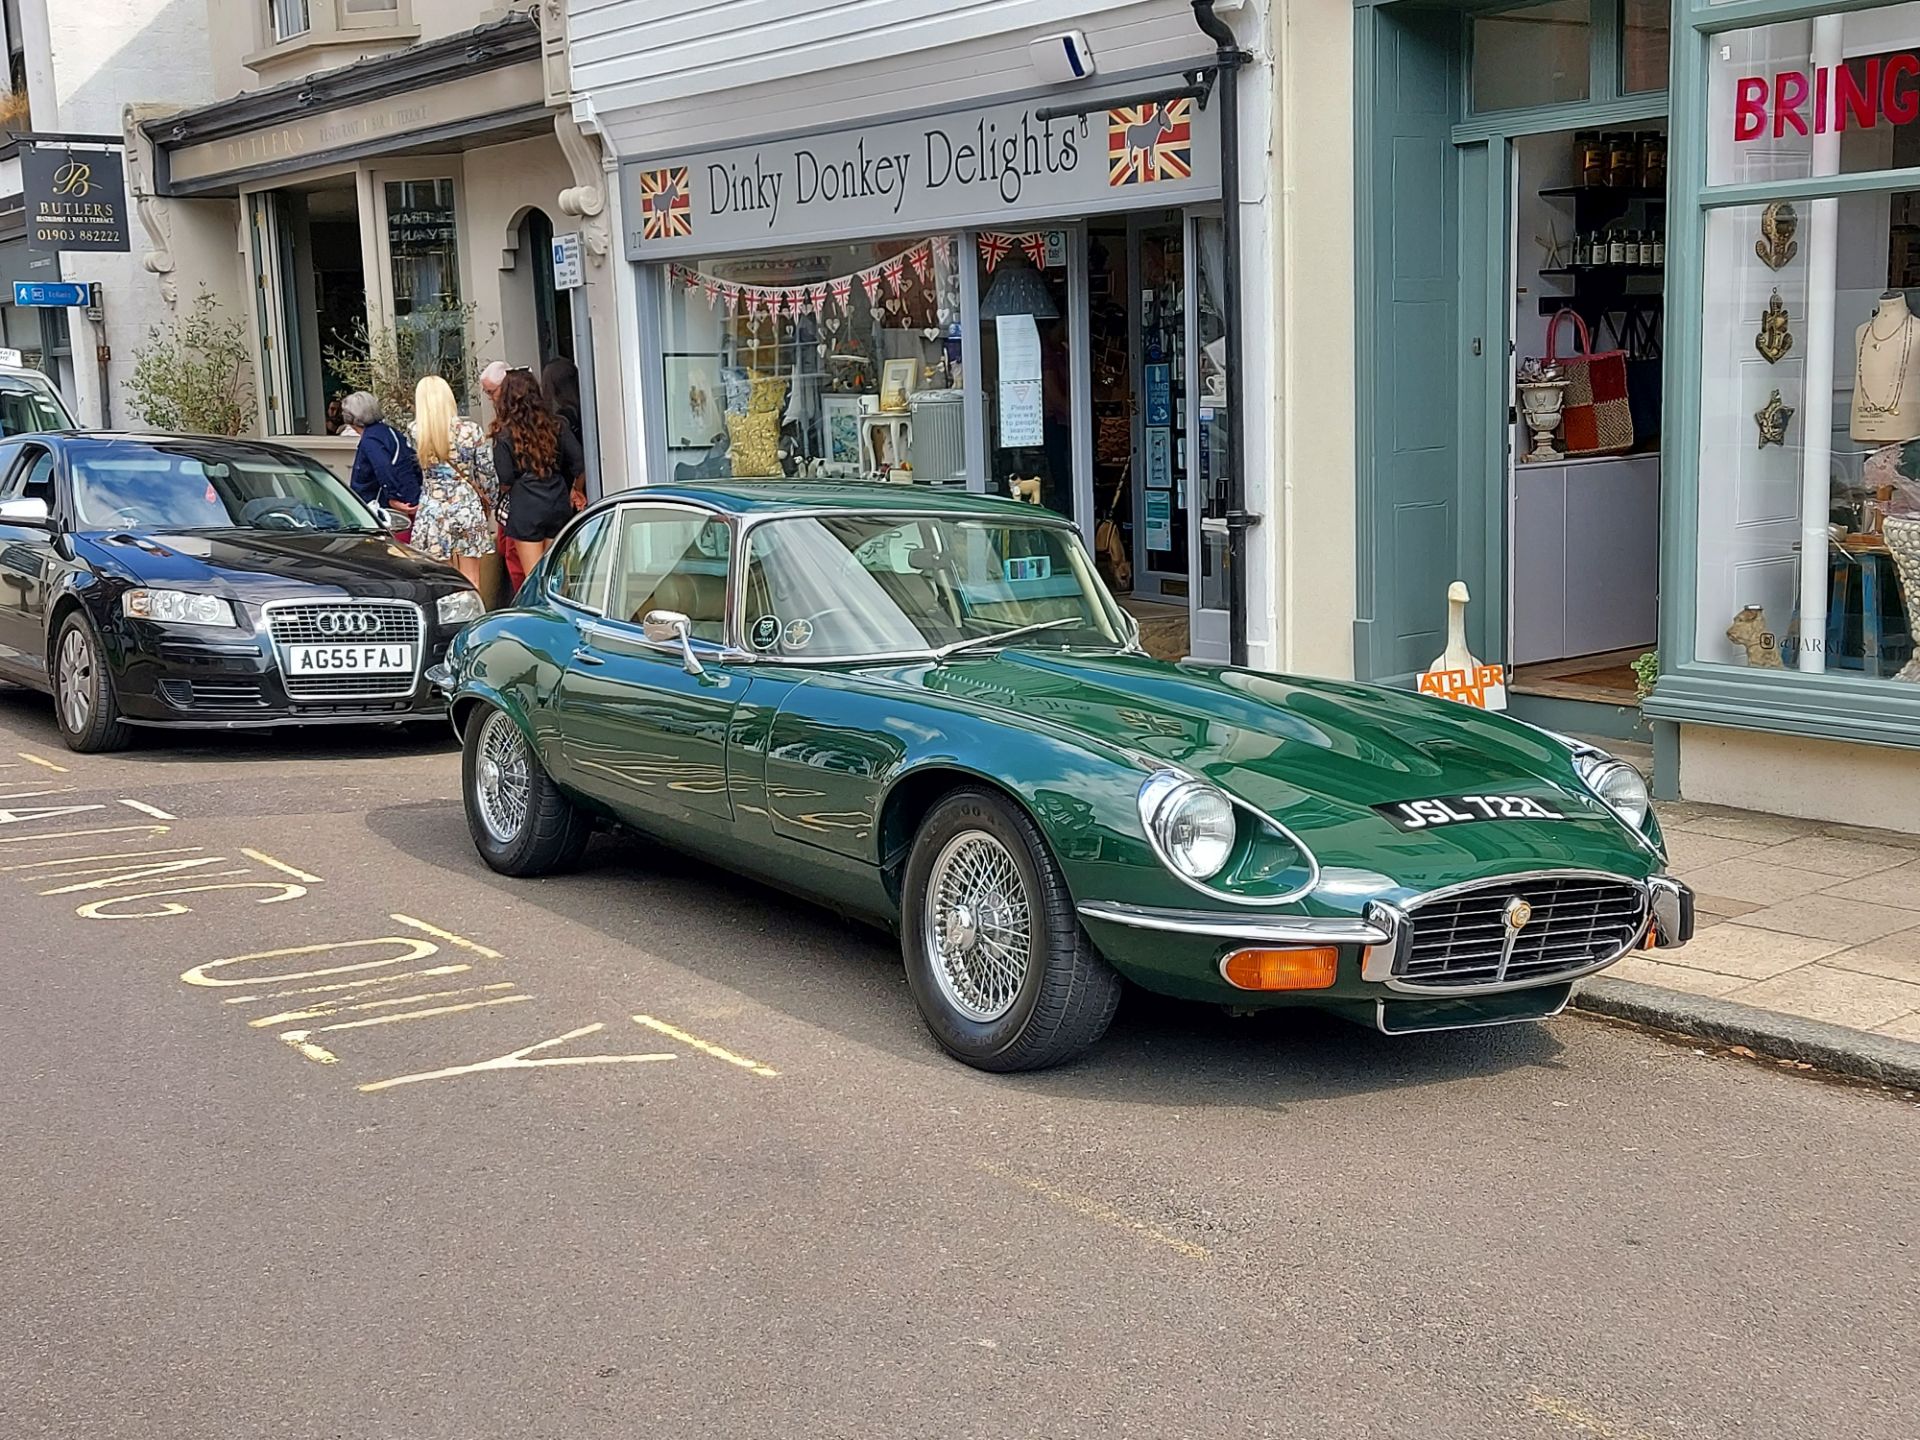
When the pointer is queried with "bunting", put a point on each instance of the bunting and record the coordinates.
(815, 297)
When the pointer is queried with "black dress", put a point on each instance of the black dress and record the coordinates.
(538, 506)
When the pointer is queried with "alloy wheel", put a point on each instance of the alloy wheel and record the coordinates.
(978, 926)
(503, 778)
(76, 680)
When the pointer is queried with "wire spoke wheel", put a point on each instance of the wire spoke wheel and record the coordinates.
(503, 779)
(76, 680)
(978, 926)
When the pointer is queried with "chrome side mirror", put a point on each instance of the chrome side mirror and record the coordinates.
(392, 521)
(664, 627)
(26, 510)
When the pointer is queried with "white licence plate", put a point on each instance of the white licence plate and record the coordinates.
(306, 660)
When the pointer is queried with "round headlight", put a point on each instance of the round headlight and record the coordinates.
(1191, 822)
(1620, 788)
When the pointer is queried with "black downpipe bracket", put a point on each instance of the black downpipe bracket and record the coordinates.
(1228, 58)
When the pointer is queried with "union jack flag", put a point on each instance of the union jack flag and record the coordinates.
(1150, 142)
(994, 247)
(841, 289)
(666, 204)
(1035, 246)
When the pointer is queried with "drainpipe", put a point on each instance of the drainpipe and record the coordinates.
(1229, 57)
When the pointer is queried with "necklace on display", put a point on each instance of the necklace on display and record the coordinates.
(1868, 405)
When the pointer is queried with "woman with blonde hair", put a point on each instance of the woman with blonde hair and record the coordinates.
(457, 499)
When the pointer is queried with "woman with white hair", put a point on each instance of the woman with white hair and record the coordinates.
(455, 523)
(385, 469)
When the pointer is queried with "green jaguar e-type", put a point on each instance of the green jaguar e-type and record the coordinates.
(925, 708)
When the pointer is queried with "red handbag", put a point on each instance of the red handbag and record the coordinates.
(1596, 418)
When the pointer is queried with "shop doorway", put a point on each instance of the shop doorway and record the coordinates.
(550, 313)
(1580, 218)
(1158, 424)
(311, 288)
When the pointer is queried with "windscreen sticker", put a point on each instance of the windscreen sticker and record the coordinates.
(765, 633)
(1466, 810)
(798, 634)
(1029, 567)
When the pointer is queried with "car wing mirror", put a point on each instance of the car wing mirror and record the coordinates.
(666, 627)
(25, 510)
(392, 521)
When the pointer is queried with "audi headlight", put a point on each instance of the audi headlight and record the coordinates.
(1618, 785)
(460, 608)
(1191, 823)
(177, 607)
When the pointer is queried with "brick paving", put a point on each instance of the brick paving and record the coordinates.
(1797, 916)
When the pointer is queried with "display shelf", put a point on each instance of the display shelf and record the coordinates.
(1621, 192)
(1599, 271)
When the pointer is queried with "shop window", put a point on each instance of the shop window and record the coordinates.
(1809, 515)
(832, 361)
(1027, 369)
(1533, 55)
(1645, 45)
(1834, 95)
(422, 239)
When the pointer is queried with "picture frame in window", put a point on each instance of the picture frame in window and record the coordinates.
(897, 384)
(696, 400)
(840, 422)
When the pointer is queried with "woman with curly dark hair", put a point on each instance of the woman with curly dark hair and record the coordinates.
(539, 463)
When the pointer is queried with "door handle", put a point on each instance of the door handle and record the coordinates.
(583, 656)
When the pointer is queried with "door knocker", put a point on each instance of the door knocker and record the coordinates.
(1774, 339)
(1773, 419)
(1776, 245)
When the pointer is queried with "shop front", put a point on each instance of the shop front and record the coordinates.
(1026, 298)
(391, 218)
(1681, 241)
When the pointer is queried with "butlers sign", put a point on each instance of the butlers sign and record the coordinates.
(1828, 99)
(990, 166)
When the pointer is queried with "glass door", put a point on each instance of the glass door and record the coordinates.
(1158, 270)
(1204, 435)
(264, 242)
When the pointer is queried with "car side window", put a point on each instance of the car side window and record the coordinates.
(670, 559)
(12, 474)
(578, 572)
(34, 476)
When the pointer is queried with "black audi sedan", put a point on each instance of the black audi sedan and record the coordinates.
(181, 580)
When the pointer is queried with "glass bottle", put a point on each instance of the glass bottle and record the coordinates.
(1617, 248)
(1623, 159)
(1590, 157)
(1660, 248)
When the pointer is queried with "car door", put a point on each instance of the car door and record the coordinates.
(638, 731)
(28, 562)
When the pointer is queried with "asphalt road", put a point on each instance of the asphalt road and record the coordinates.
(650, 1152)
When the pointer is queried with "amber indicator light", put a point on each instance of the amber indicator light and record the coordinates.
(1312, 969)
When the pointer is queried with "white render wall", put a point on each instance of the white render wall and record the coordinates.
(87, 60)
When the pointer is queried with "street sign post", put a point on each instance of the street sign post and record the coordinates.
(52, 294)
(568, 273)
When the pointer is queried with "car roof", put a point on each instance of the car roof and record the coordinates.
(761, 498)
(158, 437)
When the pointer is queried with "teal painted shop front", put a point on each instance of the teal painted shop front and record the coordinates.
(1770, 222)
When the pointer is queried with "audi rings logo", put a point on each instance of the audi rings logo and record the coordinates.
(342, 623)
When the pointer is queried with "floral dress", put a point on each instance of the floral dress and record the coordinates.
(452, 520)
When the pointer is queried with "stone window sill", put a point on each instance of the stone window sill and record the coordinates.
(318, 44)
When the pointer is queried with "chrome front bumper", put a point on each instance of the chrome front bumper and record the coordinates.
(1384, 931)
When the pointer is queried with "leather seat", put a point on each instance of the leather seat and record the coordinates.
(699, 596)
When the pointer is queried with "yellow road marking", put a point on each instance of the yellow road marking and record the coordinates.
(517, 1060)
(138, 874)
(146, 809)
(1095, 1210)
(73, 834)
(120, 858)
(423, 1014)
(1578, 1417)
(448, 936)
(706, 1047)
(92, 910)
(282, 866)
(433, 970)
(298, 1039)
(416, 950)
(38, 760)
(326, 1008)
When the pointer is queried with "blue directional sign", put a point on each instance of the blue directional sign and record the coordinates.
(48, 292)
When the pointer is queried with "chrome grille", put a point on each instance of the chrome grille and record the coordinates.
(396, 622)
(1577, 923)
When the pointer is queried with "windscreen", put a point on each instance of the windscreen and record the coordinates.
(146, 486)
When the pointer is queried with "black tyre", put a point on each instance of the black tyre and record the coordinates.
(84, 704)
(521, 823)
(1003, 974)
